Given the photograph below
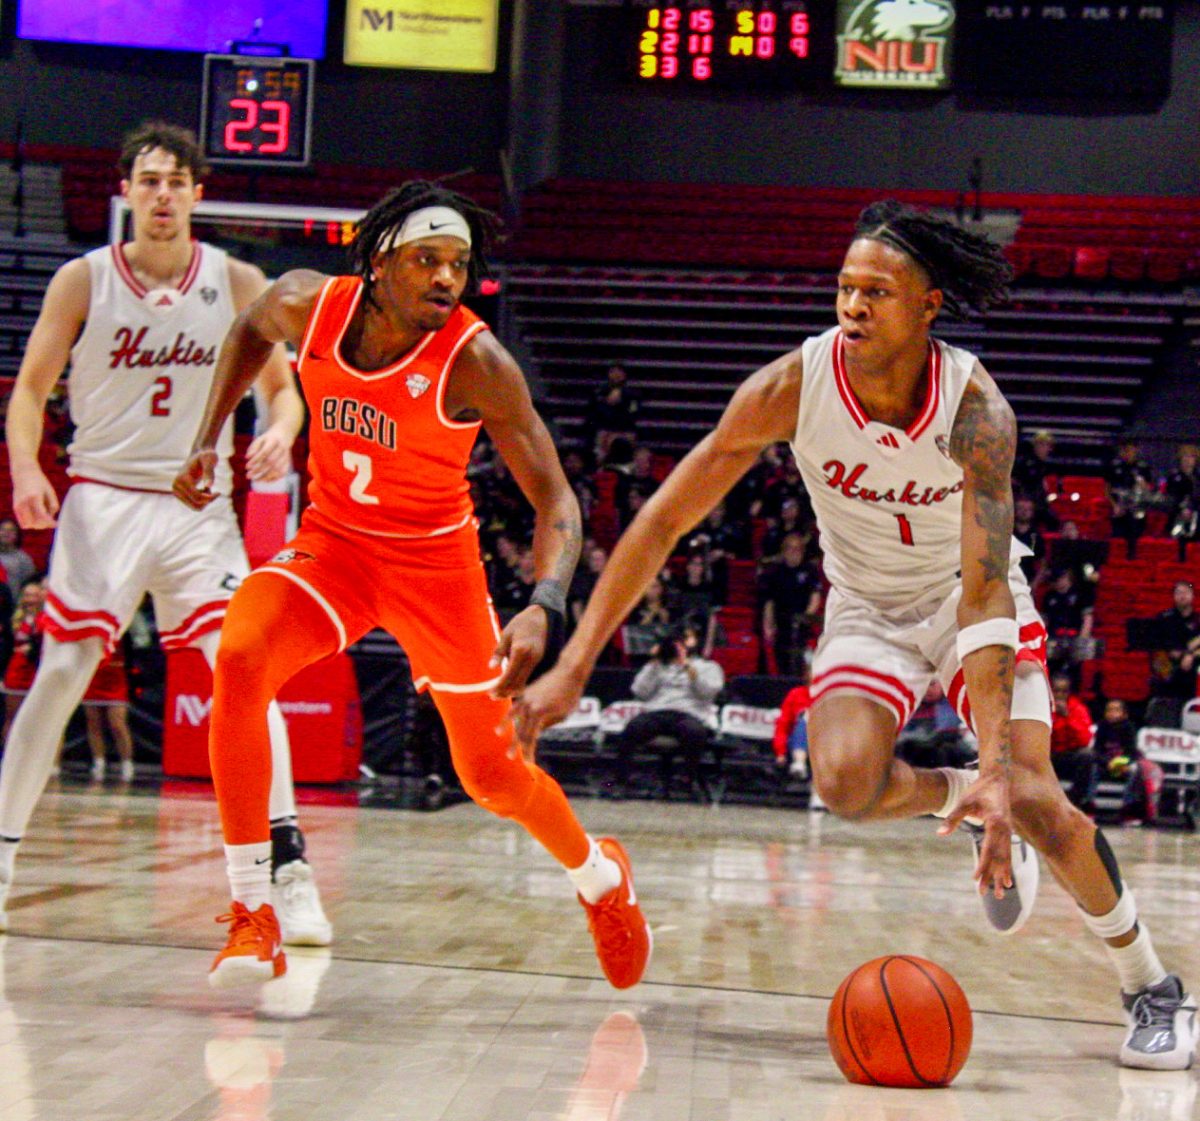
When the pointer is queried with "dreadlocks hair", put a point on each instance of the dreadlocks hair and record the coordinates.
(970, 269)
(390, 212)
(179, 141)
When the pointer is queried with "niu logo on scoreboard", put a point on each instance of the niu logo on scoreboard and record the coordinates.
(897, 43)
(192, 709)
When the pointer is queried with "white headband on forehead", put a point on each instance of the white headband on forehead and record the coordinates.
(430, 221)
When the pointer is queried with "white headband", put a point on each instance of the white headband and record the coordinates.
(431, 221)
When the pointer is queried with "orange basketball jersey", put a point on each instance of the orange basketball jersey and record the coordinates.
(383, 455)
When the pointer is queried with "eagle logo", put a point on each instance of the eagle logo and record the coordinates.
(903, 20)
(417, 384)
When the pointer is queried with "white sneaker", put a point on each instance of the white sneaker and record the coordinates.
(99, 767)
(298, 904)
(1009, 913)
(1162, 1027)
(127, 771)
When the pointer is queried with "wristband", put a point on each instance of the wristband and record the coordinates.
(550, 595)
(991, 632)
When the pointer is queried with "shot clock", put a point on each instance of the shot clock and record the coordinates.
(257, 112)
(780, 43)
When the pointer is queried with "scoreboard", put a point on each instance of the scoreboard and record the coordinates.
(1016, 50)
(779, 43)
(1066, 50)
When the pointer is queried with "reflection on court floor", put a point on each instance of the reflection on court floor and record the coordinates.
(463, 984)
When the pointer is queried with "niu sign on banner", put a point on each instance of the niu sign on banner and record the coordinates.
(320, 705)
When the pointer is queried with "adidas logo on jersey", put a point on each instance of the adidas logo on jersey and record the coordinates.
(888, 440)
(417, 384)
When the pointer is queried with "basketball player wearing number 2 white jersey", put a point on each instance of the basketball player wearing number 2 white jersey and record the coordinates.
(141, 325)
(906, 447)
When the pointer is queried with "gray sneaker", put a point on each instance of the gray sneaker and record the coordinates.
(1162, 1027)
(1008, 913)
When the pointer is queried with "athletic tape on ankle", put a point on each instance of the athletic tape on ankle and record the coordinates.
(991, 632)
(1120, 920)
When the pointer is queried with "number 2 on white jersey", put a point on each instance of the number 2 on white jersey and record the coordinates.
(361, 466)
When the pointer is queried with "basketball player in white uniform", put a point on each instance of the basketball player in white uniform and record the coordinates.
(906, 447)
(141, 324)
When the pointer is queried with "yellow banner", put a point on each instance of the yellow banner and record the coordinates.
(422, 34)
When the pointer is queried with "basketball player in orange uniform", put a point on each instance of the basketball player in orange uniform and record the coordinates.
(399, 378)
(906, 447)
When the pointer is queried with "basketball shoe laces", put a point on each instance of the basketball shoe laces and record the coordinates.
(248, 928)
(1155, 1010)
(607, 922)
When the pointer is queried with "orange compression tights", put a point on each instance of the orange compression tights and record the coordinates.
(272, 630)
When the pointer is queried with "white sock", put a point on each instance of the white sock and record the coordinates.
(596, 876)
(1137, 964)
(957, 780)
(249, 870)
(8, 859)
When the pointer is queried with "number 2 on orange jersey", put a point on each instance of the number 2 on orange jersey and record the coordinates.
(361, 466)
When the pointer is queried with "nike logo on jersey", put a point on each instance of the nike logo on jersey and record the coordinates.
(313, 356)
(356, 418)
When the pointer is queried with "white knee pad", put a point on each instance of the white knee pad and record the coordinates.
(1120, 920)
(1031, 694)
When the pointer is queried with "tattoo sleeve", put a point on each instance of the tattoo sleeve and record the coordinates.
(570, 531)
(983, 443)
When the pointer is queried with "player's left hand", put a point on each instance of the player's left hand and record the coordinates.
(193, 485)
(269, 457)
(987, 799)
(522, 642)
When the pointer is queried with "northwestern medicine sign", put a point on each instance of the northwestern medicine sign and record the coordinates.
(422, 34)
(894, 44)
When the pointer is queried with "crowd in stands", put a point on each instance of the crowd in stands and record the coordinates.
(747, 586)
(748, 581)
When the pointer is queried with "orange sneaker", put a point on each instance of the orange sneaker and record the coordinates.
(620, 930)
(254, 952)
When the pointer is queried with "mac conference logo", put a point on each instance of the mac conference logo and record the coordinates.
(894, 44)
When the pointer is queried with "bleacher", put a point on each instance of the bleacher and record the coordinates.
(1073, 361)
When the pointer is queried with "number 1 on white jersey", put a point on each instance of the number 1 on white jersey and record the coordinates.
(361, 466)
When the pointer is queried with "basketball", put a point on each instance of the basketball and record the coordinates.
(899, 1021)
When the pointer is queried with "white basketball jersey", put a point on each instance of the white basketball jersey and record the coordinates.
(142, 368)
(888, 501)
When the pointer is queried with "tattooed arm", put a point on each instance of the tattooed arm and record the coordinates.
(983, 444)
(487, 384)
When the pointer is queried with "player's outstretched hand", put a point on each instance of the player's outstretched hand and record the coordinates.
(269, 457)
(193, 485)
(35, 504)
(522, 643)
(987, 799)
(553, 697)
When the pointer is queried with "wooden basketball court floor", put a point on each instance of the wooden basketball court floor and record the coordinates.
(462, 984)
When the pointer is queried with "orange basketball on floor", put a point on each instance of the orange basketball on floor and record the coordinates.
(900, 1021)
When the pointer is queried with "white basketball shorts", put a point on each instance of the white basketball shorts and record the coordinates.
(890, 657)
(113, 546)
